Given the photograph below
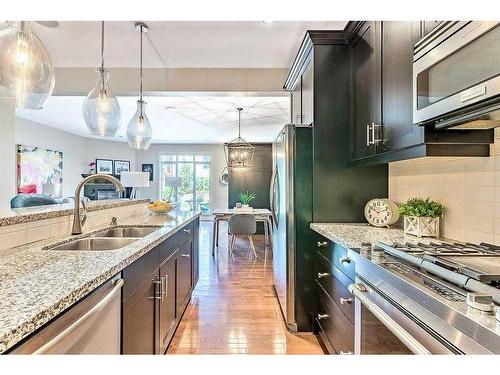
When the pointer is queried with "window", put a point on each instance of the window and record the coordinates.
(186, 179)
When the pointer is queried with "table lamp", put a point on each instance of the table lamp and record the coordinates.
(173, 182)
(135, 180)
(53, 190)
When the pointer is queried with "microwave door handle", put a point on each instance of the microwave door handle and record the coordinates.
(359, 290)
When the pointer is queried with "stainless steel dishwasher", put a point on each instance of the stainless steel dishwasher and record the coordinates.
(92, 326)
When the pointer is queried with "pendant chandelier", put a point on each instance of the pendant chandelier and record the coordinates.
(26, 72)
(101, 110)
(239, 153)
(139, 132)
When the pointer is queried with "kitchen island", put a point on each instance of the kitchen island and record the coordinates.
(38, 284)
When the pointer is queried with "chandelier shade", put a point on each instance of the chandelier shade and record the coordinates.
(139, 131)
(239, 153)
(101, 109)
(27, 76)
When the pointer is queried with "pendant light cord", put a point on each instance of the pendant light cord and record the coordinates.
(102, 44)
(239, 121)
(141, 67)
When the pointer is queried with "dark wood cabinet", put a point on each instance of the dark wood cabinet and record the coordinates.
(365, 88)
(138, 310)
(156, 292)
(167, 313)
(398, 130)
(296, 102)
(184, 274)
(307, 111)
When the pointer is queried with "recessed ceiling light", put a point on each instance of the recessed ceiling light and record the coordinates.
(169, 107)
(267, 21)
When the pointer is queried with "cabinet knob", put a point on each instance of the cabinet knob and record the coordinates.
(346, 301)
(321, 275)
(185, 255)
(322, 316)
(344, 260)
(322, 244)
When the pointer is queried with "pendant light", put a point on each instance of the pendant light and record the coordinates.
(139, 132)
(239, 153)
(101, 110)
(26, 72)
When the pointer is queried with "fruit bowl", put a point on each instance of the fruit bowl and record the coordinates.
(161, 208)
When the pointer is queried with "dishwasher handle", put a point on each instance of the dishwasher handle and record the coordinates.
(49, 345)
(359, 291)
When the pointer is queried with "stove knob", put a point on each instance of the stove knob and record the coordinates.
(482, 302)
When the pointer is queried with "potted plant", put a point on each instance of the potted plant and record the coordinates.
(421, 217)
(246, 198)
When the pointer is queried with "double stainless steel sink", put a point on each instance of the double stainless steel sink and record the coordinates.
(108, 239)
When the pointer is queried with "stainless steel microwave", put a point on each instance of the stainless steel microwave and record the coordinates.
(456, 73)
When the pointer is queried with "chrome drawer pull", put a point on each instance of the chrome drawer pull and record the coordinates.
(185, 255)
(344, 260)
(326, 274)
(186, 230)
(322, 316)
(345, 353)
(344, 301)
(165, 286)
(322, 244)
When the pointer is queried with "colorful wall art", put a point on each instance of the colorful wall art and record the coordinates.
(37, 166)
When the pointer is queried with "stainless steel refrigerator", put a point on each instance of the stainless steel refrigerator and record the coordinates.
(291, 206)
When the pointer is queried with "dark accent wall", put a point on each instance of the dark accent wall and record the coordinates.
(256, 179)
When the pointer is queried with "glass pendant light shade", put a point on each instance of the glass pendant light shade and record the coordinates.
(101, 110)
(139, 131)
(26, 72)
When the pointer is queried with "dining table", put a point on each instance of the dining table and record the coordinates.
(262, 215)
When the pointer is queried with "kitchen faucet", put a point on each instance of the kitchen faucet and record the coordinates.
(77, 221)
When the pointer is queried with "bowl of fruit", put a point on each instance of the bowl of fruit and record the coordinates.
(161, 207)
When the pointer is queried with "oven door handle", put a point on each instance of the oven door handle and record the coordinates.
(359, 291)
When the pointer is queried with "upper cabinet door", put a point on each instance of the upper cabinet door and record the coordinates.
(297, 103)
(307, 95)
(398, 39)
(365, 89)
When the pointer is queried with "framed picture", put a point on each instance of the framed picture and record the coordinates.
(121, 166)
(148, 168)
(38, 168)
(104, 166)
(107, 194)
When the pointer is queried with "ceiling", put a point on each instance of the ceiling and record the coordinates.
(180, 44)
(179, 118)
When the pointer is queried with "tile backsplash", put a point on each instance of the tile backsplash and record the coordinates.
(469, 188)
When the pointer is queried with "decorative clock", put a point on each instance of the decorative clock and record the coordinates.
(381, 212)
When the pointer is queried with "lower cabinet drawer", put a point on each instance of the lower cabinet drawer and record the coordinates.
(335, 284)
(337, 255)
(338, 330)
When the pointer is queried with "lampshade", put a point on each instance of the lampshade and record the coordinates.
(134, 179)
(26, 72)
(139, 131)
(173, 181)
(54, 190)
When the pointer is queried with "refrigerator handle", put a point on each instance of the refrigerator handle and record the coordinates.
(271, 193)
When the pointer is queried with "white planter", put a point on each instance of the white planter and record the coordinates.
(245, 205)
(421, 226)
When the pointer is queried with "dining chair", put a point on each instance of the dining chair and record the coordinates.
(242, 225)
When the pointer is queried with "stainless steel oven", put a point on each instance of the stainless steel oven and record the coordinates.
(456, 71)
(382, 326)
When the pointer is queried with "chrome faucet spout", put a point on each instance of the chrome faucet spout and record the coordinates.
(77, 220)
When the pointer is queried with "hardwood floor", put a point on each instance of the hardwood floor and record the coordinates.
(234, 309)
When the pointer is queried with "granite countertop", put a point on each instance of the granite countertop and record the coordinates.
(36, 284)
(352, 235)
(28, 214)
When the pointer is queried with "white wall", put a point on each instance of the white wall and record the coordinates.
(218, 191)
(8, 152)
(77, 152)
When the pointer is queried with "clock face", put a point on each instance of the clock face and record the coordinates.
(379, 212)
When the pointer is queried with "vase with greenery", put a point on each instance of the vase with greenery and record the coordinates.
(246, 198)
(421, 216)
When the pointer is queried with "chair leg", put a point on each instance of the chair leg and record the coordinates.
(231, 245)
(252, 246)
